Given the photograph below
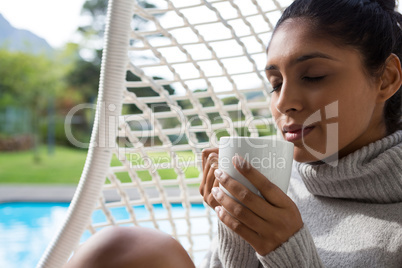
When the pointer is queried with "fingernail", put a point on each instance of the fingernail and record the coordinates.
(215, 191)
(239, 161)
(217, 209)
(214, 165)
(218, 173)
(236, 160)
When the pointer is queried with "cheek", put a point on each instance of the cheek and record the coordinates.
(272, 106)
(355, 111)
(353, 121)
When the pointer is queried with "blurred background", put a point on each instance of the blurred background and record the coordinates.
(50, 54)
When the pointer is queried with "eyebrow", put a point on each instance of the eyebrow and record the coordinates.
(303, 58)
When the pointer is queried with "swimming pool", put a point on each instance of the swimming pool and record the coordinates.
(27, 228)
(25, 231)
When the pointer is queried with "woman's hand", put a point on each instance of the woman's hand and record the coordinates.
(265, 224)
(209, 165)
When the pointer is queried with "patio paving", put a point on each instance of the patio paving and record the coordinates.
(65, 193)
(36, 193)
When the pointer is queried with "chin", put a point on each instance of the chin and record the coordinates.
(302, 156)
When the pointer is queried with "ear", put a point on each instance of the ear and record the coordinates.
(391, 78)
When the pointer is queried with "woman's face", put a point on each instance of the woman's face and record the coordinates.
(323, 101)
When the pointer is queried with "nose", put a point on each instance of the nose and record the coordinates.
(289, 99)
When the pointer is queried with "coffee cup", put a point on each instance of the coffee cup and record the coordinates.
(269, 155)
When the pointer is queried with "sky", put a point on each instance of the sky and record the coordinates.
(54, 20)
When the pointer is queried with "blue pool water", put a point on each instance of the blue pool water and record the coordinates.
(27, 228)
(25, 231)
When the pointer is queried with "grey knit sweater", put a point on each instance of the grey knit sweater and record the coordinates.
(352, 215)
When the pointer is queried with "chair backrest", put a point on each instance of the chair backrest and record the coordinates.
(176, 76)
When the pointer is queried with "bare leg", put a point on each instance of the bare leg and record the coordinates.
(129, 247)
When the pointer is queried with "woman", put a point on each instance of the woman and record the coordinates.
(338, 60)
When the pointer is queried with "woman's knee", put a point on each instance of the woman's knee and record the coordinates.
(129, 246)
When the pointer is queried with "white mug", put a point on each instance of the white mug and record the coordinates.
(270, 156)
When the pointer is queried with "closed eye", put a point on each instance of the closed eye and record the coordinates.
(276, 87)
(313, 79)
(305, 78)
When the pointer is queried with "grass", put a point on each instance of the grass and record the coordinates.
(63, 167)
(66, 164)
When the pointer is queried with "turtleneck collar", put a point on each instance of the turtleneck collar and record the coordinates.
(371, 174)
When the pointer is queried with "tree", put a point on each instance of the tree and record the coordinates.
(95, 11)
(85, 75)
(29, 81)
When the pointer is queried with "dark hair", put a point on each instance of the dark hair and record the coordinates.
(373, 27)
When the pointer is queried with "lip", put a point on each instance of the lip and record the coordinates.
(296, 132)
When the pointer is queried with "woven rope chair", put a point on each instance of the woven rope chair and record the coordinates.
(146, 143)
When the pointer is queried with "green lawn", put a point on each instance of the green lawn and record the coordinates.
(66, 164)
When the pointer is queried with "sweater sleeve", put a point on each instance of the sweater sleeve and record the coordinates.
(229, 250)
(298, 252)
(234, 251)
